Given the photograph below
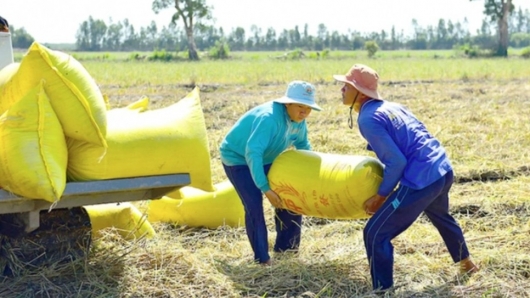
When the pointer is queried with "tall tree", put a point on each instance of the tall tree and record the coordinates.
(192, 13)
(499, 11)
(20, 37)
(91, 34)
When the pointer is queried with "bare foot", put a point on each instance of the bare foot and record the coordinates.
(267, 263)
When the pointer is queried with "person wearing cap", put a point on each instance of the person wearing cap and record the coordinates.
(414, 161)
(247, 152)
(4, 25)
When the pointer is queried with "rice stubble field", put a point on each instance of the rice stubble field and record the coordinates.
(477, 108)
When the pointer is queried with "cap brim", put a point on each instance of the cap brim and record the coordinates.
(370, 93)
(341, 78)
(286, 99)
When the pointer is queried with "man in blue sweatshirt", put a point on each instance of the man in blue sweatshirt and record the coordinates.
(247, 153)
(415, 162)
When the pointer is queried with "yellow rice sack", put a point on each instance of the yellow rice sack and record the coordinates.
(33, 154)
(197, 208)
(163, 141)
(140, 105)
(131, 110)
(124, 217)
(7, 73)
(325, 185)
(73, 93)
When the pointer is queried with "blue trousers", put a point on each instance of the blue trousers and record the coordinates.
(398, 212)
(288, 224)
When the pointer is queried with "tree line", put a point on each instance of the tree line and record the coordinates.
(97, 35)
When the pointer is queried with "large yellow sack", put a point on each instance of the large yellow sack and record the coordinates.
(154, 142)
(140, 105)
(325, 185)
(7, 73)
(124, 217)
(197, 208)
(33, 154)
(73, 93)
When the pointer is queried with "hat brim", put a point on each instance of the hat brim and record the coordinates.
(367, 92)
(286, 99)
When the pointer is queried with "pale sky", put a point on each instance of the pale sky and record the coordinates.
(57, 21)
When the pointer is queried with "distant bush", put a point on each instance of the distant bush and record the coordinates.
(371, 47)
(525, 53)
(520, 40)
(313, 55)
(326, 53)
(136, 56)
(295, 54)
(162, 56)
(221, 50)
(91, 56)
(473, 51)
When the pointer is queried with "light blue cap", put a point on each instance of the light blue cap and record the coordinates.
(300, 92)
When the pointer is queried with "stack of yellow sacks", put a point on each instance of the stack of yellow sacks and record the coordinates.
(55, 126)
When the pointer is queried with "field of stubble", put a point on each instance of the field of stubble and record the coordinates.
(478, 109)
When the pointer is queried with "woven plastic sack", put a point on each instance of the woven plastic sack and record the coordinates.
(7, 73)
(73, 93)
(198, 208)
(154, 142)
(33, 154)
(325, 185)
(128, 221)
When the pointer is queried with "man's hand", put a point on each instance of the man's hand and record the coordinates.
(274, 198)
(373, 204)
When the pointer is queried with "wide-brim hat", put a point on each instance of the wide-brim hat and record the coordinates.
(300, 92)
(363, 78)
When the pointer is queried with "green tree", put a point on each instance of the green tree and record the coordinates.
(270, 39)
(498, 12)
(237, 39)
(130, 38)
(20, 38)
(91, 35)
(256, 39)
(192, 13)
(393, 39)
(113, 40)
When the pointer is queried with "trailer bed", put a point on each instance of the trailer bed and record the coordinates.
(78, 194)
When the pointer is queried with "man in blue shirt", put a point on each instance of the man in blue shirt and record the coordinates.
(415, 162)
(247, 153)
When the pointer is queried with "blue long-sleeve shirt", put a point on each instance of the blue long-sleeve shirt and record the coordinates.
(259, 136)
(411, 155)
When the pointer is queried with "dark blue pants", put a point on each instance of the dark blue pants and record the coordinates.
(288, 224)
(398, 212)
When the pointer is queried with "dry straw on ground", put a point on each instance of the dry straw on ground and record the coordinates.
(482, 122)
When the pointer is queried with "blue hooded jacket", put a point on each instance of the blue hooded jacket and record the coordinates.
(259, 136)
